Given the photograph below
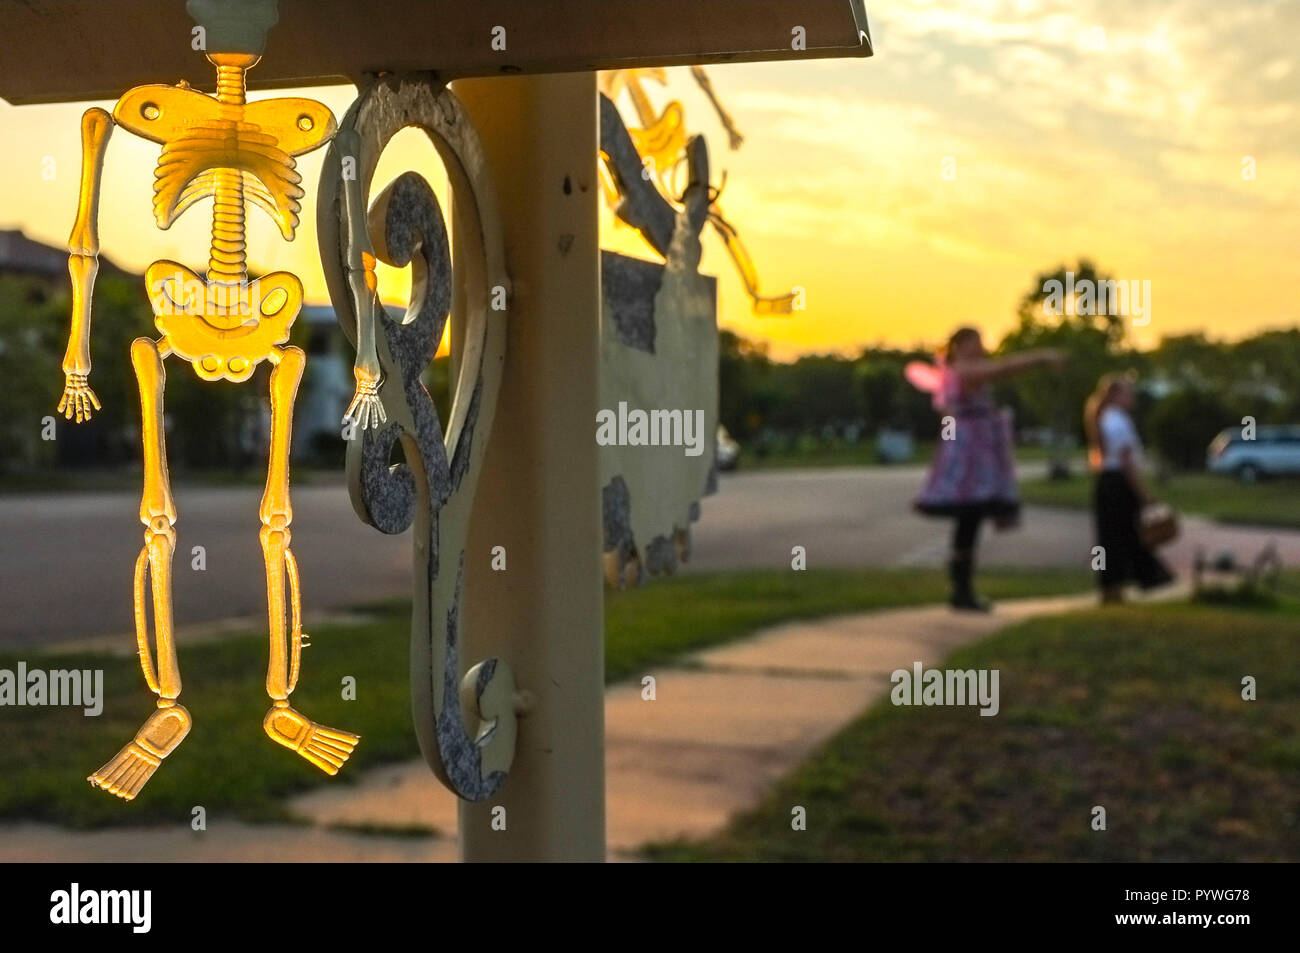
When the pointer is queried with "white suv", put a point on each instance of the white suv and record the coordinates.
(1275, 451)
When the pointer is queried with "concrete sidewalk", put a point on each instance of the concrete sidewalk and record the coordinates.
(725, 725)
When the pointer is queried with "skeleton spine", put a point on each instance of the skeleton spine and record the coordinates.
(227, 262)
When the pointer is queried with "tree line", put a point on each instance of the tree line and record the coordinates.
(1192, 386)
(207, 423)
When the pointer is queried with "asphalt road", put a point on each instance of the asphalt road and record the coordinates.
(66, 559)
(856, 517)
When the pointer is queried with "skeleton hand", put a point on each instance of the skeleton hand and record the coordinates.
(366, 409)
(78, 398)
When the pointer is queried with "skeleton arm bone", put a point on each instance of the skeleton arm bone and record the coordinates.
(78, 399)
(366, 409)
(761, 304)
(702, 78)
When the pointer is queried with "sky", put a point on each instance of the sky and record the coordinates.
(906, 193)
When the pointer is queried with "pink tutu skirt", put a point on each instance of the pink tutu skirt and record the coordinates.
(975, 470)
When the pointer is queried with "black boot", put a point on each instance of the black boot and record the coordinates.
(960, 569)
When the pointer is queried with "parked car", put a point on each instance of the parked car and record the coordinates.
(894, 446)
(728, 454)
(1273, 451)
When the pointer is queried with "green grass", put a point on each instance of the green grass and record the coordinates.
(1267, 503)
(1137, 709)
(230, 767)
(668, 617)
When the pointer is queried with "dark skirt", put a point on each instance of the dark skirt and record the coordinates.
(1001, 511)
(1117, 513)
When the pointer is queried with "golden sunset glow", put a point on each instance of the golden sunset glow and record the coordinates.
(1162, 141)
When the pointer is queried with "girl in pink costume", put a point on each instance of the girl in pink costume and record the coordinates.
(973, 475)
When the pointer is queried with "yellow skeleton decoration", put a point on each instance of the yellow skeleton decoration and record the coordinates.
(236, 152)
(661, 140)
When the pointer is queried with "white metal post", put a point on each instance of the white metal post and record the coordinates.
(539, 492)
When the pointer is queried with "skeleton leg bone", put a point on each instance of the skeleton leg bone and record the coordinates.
(327, 748)
(126, 773)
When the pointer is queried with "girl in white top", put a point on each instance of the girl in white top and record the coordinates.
(1115, 453)
(1121, 446)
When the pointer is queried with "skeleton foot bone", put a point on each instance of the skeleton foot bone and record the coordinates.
(126, 773)
(327, 748)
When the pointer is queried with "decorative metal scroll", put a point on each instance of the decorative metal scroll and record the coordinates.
(659, 351)
(433, 488)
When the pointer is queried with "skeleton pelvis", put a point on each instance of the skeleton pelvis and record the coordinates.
(224, 330)
(665, 139)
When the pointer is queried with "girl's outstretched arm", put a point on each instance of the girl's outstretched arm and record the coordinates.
(982, 369)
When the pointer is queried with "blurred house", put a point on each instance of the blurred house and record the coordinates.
(25, 256)
(36, 289)
(112, 437)
(326, 388)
